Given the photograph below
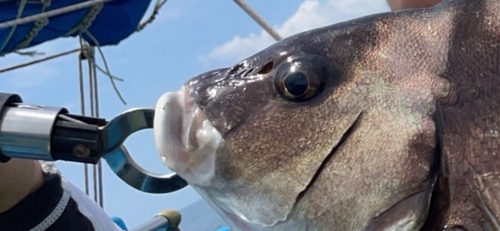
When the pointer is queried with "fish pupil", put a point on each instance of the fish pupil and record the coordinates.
(296, 83)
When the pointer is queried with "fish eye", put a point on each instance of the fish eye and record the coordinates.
(301, 78)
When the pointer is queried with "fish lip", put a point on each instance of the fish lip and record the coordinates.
(184, 137)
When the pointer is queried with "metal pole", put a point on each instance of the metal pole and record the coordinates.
(82, 110)
(52, 13)
(258, 19)
(99, 164)
(88, 52)
(89, 55)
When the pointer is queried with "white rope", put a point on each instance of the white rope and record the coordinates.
(38, 60)
(41, 22)
(52, 13)
(87, 20)
(37, 27)
(20, 11)
(82, 28)
(107, 71)
(151, 18)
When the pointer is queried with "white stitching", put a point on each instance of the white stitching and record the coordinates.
(55, 214)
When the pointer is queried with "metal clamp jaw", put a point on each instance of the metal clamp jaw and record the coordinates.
(51, 133)
(120, 161)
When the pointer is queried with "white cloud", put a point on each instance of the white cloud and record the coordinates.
(310, 14)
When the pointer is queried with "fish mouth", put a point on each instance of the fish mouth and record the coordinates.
(185, 138)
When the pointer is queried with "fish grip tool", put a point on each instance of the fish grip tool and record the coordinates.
(51, 133)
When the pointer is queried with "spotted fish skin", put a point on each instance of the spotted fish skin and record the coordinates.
(386, 122)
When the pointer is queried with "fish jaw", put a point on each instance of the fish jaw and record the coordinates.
(184, 138)
(187, 144)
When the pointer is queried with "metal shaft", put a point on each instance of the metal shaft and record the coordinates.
(25, 131)
(258, 19)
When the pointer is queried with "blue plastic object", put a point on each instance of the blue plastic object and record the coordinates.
(114, 22)
(223, 229)
(118, 221)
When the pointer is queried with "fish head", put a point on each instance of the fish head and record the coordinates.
(329, 128)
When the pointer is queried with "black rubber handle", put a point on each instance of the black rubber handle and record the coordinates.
(78, 142)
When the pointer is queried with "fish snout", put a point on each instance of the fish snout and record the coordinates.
(203, 88)
(184, 138)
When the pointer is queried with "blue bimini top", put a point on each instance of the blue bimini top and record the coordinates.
(107, 23)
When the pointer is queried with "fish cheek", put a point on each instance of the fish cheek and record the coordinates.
(272, 157)
(386, 160)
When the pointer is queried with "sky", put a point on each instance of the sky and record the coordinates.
(186, 39)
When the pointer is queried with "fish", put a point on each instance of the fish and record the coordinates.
(384, 122)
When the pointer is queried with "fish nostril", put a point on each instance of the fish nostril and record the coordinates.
(247, 72)
(266, 68)
(240, 70)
